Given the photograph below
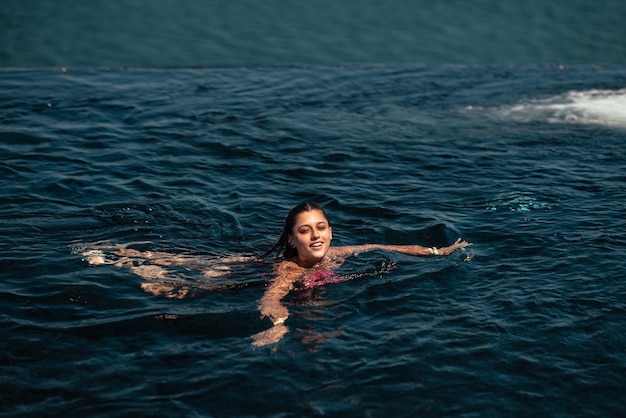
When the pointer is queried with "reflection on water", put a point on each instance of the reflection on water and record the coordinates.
(517, 201)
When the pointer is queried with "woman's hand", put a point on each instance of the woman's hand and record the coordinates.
(447, 250)
(269, 336)
(275, 311)
(270, 307)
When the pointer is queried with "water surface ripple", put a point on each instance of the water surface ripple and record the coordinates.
(526, 162)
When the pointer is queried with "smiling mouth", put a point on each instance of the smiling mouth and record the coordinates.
(316, 245)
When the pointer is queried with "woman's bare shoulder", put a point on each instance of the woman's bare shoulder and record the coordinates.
(287, 267)
(287, 272)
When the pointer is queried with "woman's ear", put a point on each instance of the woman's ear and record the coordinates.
(330, 228)
(290, 240)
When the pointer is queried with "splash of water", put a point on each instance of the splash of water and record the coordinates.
(598, 107)
(517, 202)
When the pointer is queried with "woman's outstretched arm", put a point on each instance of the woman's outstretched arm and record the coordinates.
(405, 249)
(270, 305)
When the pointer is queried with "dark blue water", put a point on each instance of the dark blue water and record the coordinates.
(73, 33)
(526, 162)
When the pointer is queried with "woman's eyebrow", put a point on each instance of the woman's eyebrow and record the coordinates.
(317, 224)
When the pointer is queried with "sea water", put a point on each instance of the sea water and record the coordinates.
(70, 33)
(526, 162)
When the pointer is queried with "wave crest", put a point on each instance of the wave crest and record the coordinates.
(597, 107)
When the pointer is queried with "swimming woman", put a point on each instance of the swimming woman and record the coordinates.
(307, 260)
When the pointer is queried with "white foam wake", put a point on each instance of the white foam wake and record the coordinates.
(601, 107)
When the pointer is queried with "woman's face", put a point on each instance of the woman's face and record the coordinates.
(311, 236)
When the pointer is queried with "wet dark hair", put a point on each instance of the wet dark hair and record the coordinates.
(283, 243)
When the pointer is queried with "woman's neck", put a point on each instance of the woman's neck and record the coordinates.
(308, 264)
